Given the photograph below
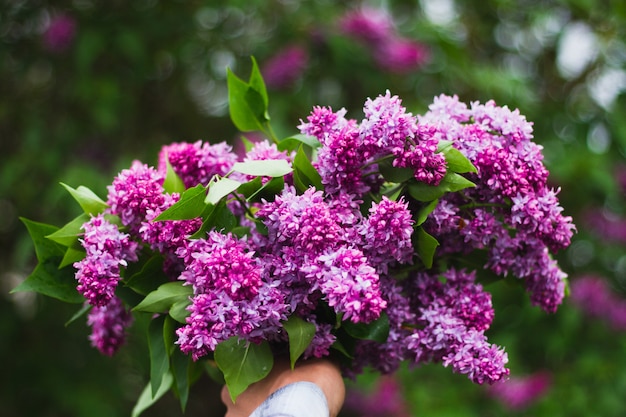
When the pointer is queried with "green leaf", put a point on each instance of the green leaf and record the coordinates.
(243, 116)
(190, 205)
(164, 297)
(87, 199)
(268, 191)
(149, 277)
(243, 363)
(294, 142)
(377, 330)
(305, 175)
(451, 182)
(159, 360)
(68, 234)
(455, 182)
(83, 310)
(220, 188)
(425, 211)
(179, 311)
(147, 398)
(300, 334)
(265, 168)
(44, 247)
(48, 279)
(257, 83)
(72, 255)
(426, 246)
(173, 183)
(394, 174)
(180, 365)
(455, 160)
(219, 218)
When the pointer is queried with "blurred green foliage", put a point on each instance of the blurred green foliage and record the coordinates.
(137, 74)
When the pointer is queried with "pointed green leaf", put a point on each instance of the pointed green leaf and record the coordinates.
(48, 279)
(219, 189)
(149, 278)
(44, 247)
(300, 334)
(219, 218)
(269, 190)
(179, 311)
(394, 174)
(159, 360)
(426, 246)
(180, 365)
(72, 255)
(451, 182)
(83, 310)
(164, 297)
(455, 160)
(425, 211)
(243, 363)
(305, 175)
(190, 205)
(292, 143)
(265, 168)
(455, 182)
(87, 199)
(377, 330)
(147, 399)
(243, 117)
(172, 183)
(68, 234)
(257, 83)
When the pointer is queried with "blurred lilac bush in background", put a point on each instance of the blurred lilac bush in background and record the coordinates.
(87, 86)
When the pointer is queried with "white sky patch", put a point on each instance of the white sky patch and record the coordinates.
(578, 47)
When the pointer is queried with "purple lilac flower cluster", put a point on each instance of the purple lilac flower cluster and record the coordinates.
(344, 254)
(347, 159)
(512, 213)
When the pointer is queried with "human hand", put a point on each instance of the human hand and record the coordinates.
(322, 372)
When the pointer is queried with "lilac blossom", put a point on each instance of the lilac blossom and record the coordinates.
(230, 298)
(451, 323)
(511, 212)
(108, 326)
(387, 125)
(349, 283)
(196, 163)
(387, 233)
(285, 67)
(107, 249)
(134, 192)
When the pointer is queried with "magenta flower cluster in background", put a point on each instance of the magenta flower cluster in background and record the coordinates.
(337, 255)
(593, 296)
(59, 33)
(384, 400)
(375, 28)
(518, 393)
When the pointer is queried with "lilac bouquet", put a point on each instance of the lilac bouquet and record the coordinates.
(369, 241)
